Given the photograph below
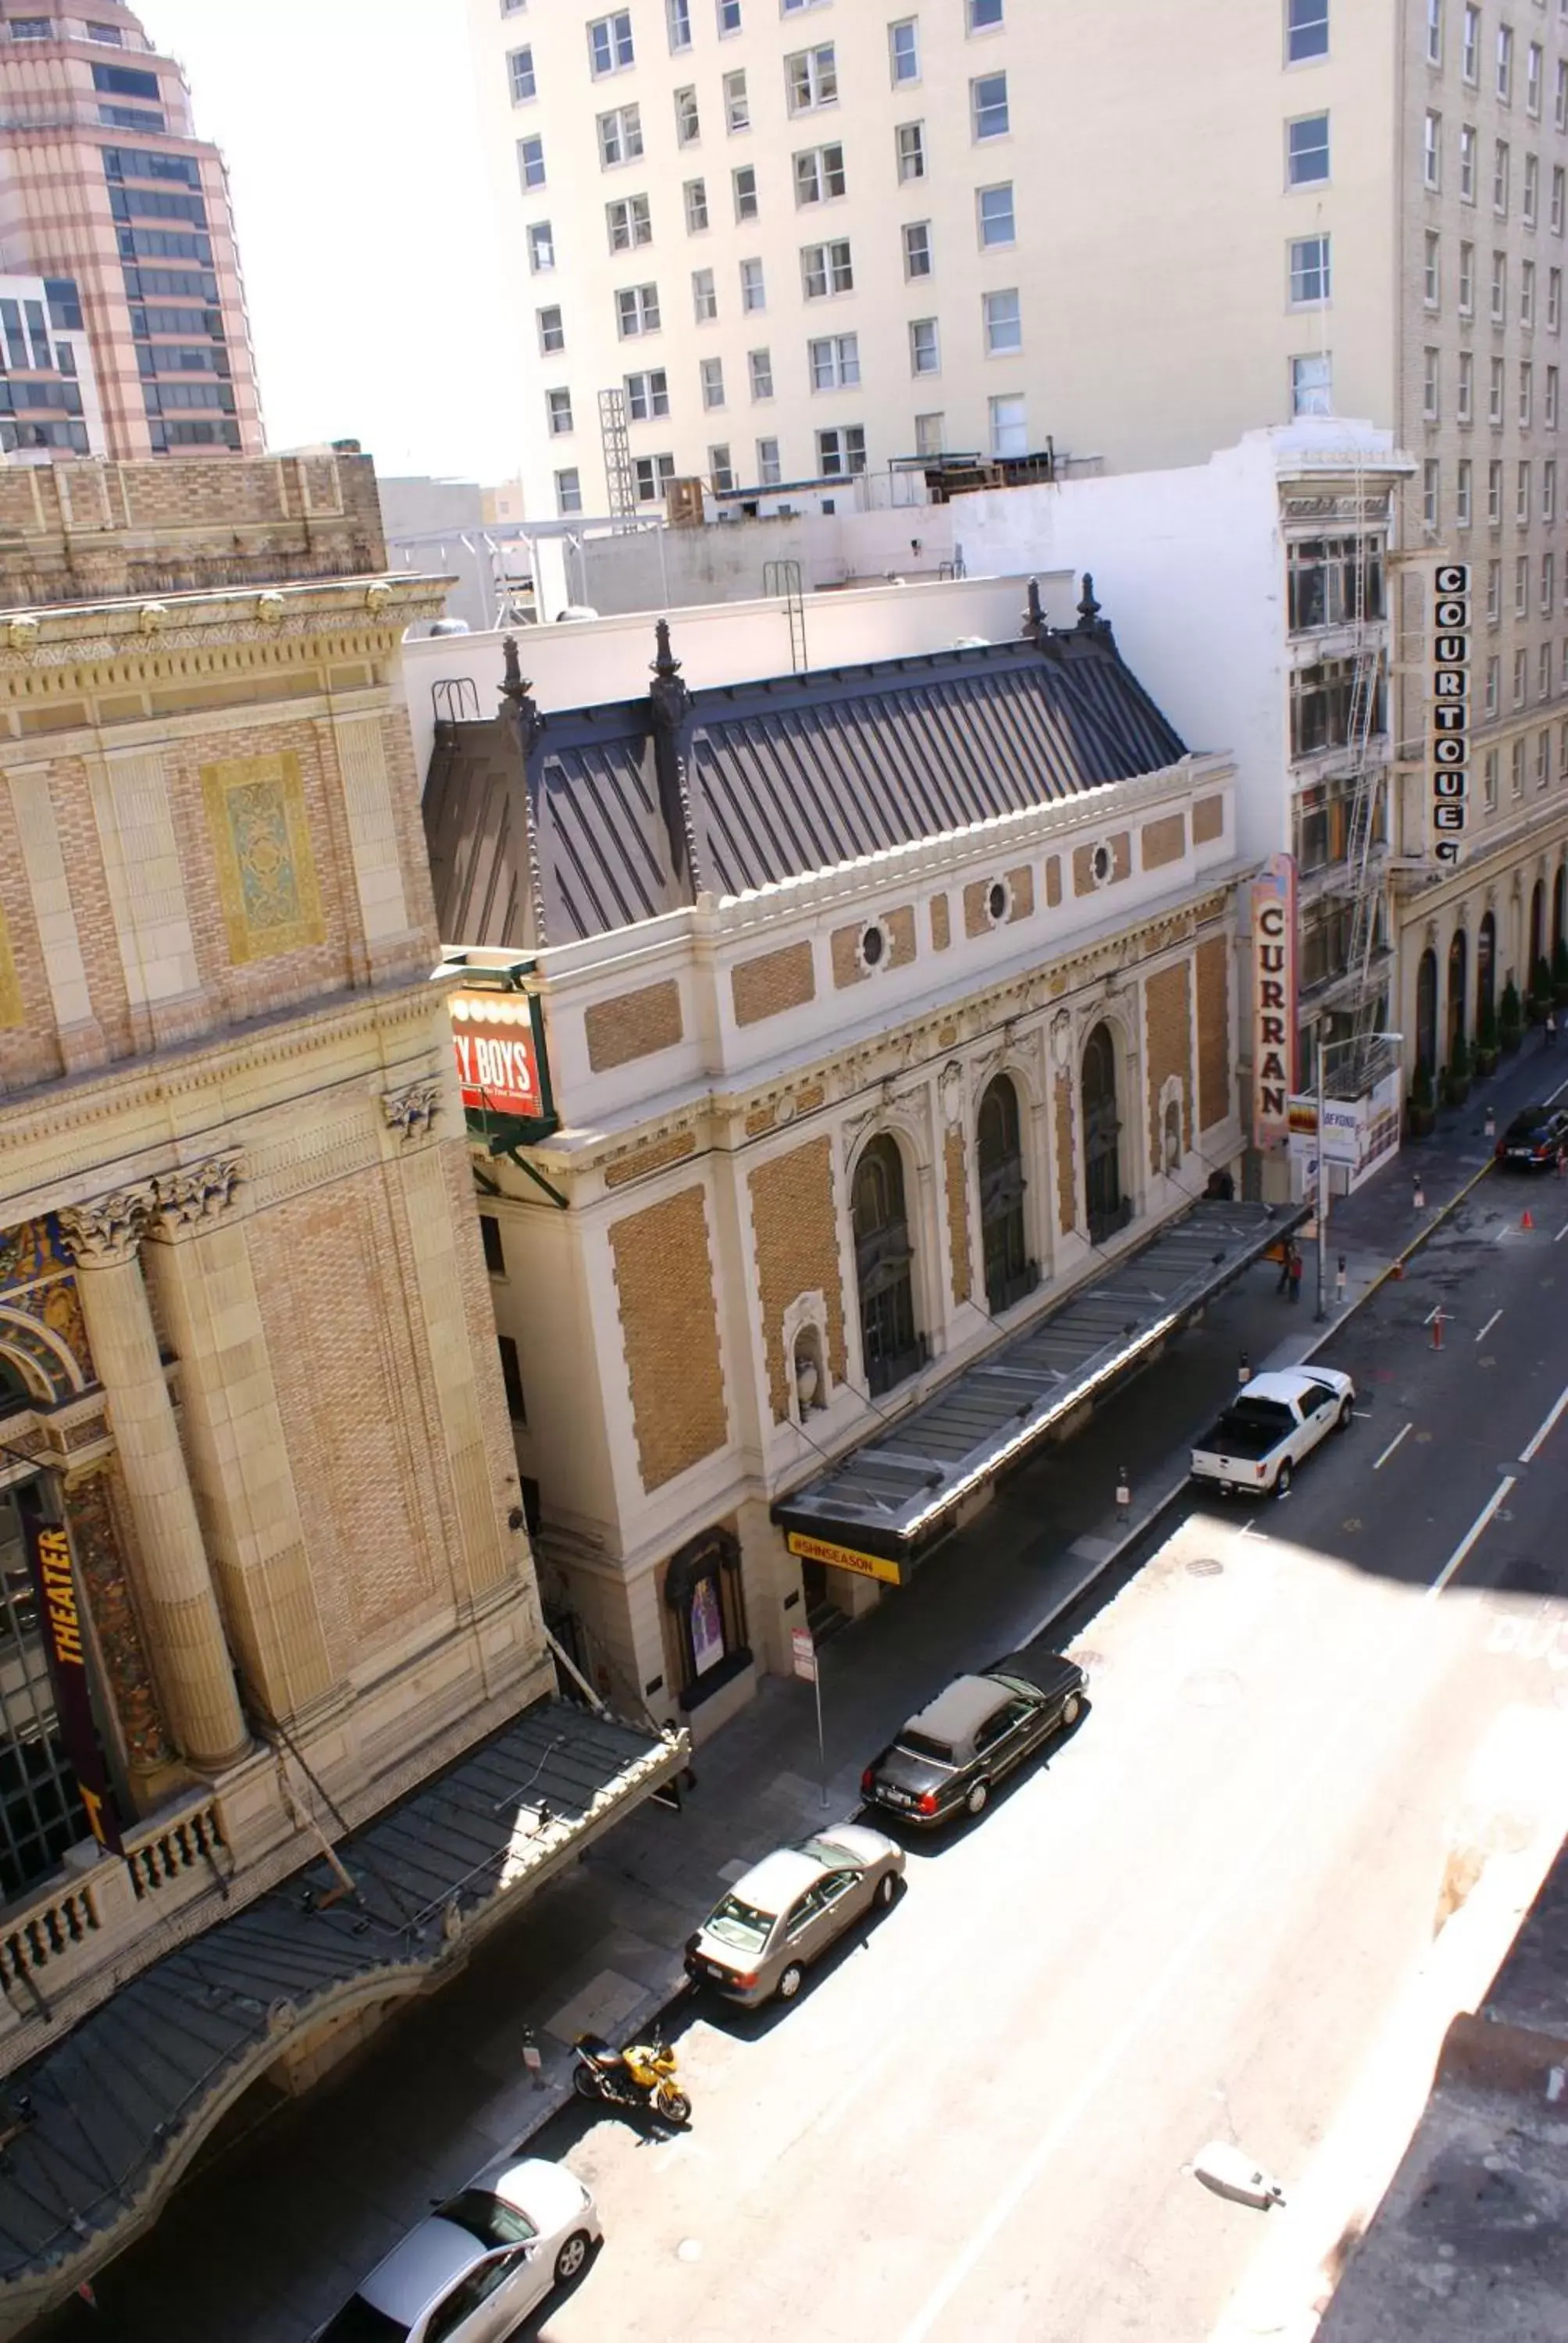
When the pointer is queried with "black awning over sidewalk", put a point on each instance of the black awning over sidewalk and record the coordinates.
(891, 1500)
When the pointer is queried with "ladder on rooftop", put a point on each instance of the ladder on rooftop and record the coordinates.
(615, 442)
(781, 582)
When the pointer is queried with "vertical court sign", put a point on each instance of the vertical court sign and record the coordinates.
(1450, 747)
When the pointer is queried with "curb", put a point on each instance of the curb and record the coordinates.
(1163, 1504)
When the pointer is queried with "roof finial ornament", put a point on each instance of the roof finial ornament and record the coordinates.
(671, 699)
(516, 691)
(1034, 615)
(1088, 608)
(512, 681)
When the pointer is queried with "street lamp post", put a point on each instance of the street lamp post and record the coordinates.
(1324, 1049)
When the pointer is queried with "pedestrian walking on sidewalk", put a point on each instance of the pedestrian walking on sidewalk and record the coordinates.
(1294, 1266)
(1286, 1249)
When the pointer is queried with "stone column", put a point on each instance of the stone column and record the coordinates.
(198, 1265)
(189, 1653)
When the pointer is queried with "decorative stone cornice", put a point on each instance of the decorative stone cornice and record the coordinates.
(193, 1195)
(107, 1232)
(411, 1112)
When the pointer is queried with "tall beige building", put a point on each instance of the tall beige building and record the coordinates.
(798, 238)
(108, 194)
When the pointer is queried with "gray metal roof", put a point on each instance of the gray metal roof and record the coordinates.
(634, 808)
(134, 2084)
(898, 1492)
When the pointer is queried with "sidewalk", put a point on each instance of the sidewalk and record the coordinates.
(291, 2216)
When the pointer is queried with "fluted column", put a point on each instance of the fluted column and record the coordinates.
(189, 1653)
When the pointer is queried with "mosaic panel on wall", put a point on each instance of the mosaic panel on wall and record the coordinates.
(261, 842)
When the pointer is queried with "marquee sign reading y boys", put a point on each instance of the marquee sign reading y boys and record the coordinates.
(498, 1052)
(1274, 1001)
(1450, 711)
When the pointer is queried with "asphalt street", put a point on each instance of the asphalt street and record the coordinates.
(1203, 1919)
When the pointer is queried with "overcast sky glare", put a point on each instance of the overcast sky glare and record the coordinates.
(372, 264)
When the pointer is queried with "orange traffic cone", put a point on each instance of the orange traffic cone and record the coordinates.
(1524, 1220)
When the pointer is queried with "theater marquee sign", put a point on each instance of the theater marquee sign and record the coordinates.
(1450, 711)
(1273, 1001)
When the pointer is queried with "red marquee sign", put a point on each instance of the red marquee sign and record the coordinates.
(497, 1054)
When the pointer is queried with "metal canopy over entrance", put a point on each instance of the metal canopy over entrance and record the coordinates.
(898, 1495)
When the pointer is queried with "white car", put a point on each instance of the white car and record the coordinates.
(1270, 1426)
(474, 2270)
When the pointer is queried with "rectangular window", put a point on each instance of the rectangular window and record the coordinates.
(1516, 766)
(512, 1379)
(1489, 781)
(1559, 192)
(1498, 287)
(1312, 384)
(1549, 492)
(1470, 47)
(1543, 672)
(1493, 593)
(552, 332)
(916, 248)
(704, 295)
(1521, 585)
(1491, 697)
(1467, 281)
(769, 468)
(1505, 64)
(1009, 426)
(1520, 678)
(1530, 192)
(619, 135)
(819, 175)
(904, 51)
(1003, 323)
(760, 365)
(1464, 401)
(1552, 383)
(1544, 755)
(721, 470)
(1532, 62)
(1429, 492)
(835, 362)
(729, 14)
(842, 453)
(695, 206)
(609, 43)
(520, 72)
(1306, 30)
(1495, 394)
(646, 395)
(1462, 493)
(1431, 273)
(989, 116)
(710, 373)
(1527, 292)
(1429, 387)
(1310, 269)
(1522, 495)
(737, 104)
(1560, 95)
(1307, 150)
(910, 144)
(1434, 31)
(568, 491)
(997, 225)
(983, 14)
(637, 310)
(744, 183)
(928, 434)
(627, 223)
(753, 289)
(495, 1250)
(924, 356)
(1494, 492)
(558, 412)
(811, 78)
(531, 161)
(826, 268)
(688, 123)
(1467, 146)
(653, 475)
(1432, 150)
(541, 248)
(678, 14)
(1500, 178)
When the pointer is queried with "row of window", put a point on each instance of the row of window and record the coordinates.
(1550, 678)
(1544, 577)
(1433, 510)
(1505, 52)
(813, 83)
(1497, 302)
(43, 28)
(1433, 152)
(819, 177)
(1524, 756)
(612, 49)
(838, 453)
(825, 269)
(1464, 401)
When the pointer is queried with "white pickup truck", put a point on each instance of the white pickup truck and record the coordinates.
(1270, 1426)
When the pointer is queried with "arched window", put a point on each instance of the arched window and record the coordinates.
(1010, 1273)
(1426, 1011)
(883, 1255)
(1537, 920)
(1559, 931)
(1458, 1000)
(1102, 1139)
(1486, 969)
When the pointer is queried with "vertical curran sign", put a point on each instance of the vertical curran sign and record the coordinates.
(1450, 711)
(1273, 1001)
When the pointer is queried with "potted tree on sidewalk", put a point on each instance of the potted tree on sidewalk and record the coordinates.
(1422, 1107)
(1510, 1021)
(1540, 991)
(1456, 1081)
(1485, 1053)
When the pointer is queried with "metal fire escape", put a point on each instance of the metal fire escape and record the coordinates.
(615, 440)
(1363, 884)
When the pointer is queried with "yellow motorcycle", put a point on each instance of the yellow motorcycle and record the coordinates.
(640, 2075)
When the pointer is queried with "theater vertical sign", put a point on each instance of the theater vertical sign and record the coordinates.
(1273, 1001)
(1451, 710)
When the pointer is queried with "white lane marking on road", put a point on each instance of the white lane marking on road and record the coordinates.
(1546, 1429)
(1562, 1233)
(1488, 1513)
(1436, 1311)
(965, 2262)
(1489, 1325)
(1393, 1443)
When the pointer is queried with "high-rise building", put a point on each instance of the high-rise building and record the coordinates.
(105, 188)
(767, 241)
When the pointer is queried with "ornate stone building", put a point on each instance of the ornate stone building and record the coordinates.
(263, 1562)
(821, 1037)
